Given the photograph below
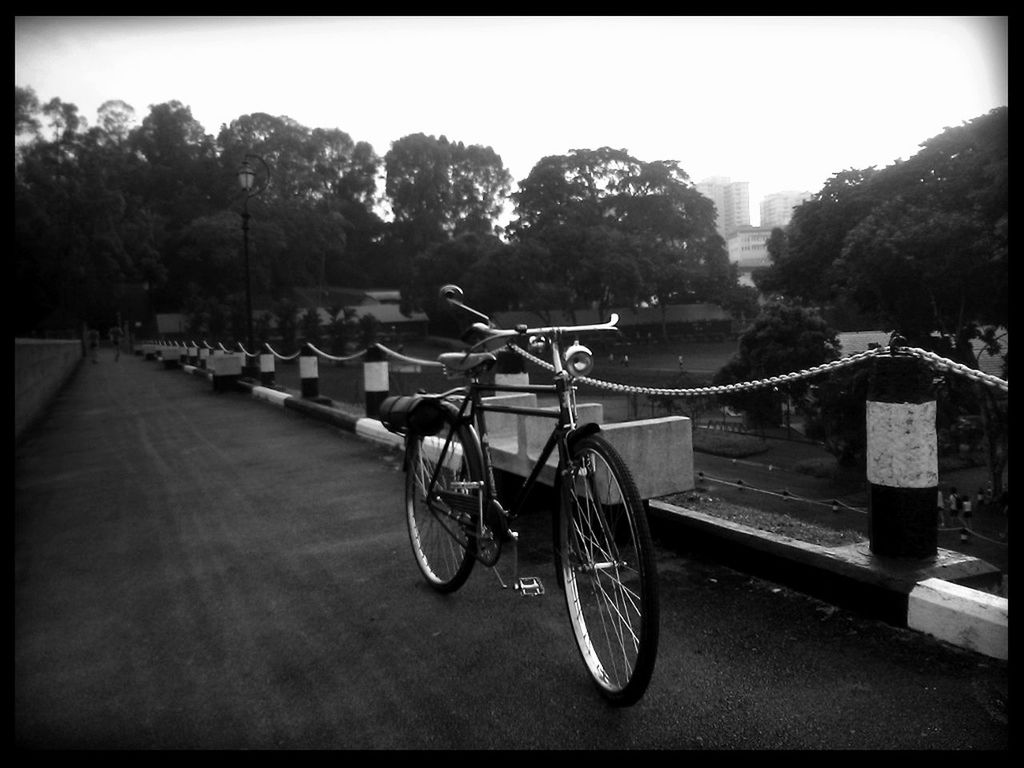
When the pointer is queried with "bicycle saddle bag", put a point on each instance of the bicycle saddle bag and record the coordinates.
(412, 414)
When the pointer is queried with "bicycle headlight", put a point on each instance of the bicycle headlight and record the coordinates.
(579, 360)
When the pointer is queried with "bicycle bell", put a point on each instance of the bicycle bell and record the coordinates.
(579, 360)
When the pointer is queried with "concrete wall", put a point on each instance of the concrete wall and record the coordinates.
(41, 366)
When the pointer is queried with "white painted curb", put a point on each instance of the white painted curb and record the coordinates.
(270, 395)
(960, 615)
(372, 429)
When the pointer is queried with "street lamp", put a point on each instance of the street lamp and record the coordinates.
(253, 185)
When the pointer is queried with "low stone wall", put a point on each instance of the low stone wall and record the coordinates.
(41, 366)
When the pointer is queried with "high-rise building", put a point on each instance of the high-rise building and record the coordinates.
(732, 203)
(777, 208)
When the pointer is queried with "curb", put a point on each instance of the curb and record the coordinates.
(934, 597)
(913, 597)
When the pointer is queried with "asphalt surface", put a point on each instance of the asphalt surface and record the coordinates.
(205, 571)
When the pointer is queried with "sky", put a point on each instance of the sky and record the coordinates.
(780, 102)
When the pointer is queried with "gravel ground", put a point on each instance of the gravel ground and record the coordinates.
(783, 525)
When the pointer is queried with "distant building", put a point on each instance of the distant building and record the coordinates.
(748, 250)
(384, 304)
(732, 203)
(777, 208)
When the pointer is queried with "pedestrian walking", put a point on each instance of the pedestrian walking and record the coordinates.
(953, 503)
(980, 502)
(680, 362)
(942, 502)
(625, 361)
(966, 514)
(94, 344)
(1004, 510)
(116, 335)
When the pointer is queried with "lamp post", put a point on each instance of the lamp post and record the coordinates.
(253, 185)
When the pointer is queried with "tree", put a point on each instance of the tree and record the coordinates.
(439, 190)
(784, 338)
(618, 231)
(310, 326)
(454, 261)
(802, 261)
(81, 230)
(921, 245)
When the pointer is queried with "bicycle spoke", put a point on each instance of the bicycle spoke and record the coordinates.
(437, 530)
(606, 557)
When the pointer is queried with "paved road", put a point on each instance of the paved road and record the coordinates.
(207, 571)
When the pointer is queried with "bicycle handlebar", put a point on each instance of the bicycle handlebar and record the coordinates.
(453, 295)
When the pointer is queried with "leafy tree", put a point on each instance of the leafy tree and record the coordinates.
(309, 323)
(922, 246)
(784, 338)
(802, 261)
(439, 190)
(286, 314)
(369, 330)
(455, 261)
(617, 231)
(341, 330)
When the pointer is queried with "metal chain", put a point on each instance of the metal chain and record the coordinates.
(775, 381)
(281, 357)
(399, 356)
(937, 361)
(944, 364)
(334, 357)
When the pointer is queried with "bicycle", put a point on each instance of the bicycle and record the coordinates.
(604, 556)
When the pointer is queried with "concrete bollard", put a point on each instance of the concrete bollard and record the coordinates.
(266, 369)
(510, 369)
(169, 354)
(250, 365)
(226, 369)
(375, 379)
(902, 458)
(309, 373)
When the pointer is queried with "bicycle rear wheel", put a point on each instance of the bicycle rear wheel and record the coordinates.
(608, 571)
(441, 518)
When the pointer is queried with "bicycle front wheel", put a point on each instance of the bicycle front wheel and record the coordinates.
(441, 516)
(608, 571)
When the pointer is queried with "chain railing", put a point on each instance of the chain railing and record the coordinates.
(936, 361)
(721, 389)
(336, 358)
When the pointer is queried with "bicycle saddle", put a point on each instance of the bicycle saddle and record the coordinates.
(462, 362)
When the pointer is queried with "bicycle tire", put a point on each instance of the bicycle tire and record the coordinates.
(443, 545)
(607, 570)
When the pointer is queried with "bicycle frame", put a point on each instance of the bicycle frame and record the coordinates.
(472, 409)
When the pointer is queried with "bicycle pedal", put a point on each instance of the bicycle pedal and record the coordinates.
(530, 586)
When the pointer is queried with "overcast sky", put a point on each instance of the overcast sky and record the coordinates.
(779, 102)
